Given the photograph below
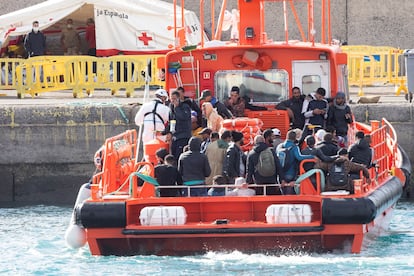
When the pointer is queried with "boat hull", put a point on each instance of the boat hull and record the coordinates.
(341, 223)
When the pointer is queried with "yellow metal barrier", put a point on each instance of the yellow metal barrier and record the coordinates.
(85, 74)
(371, 66)
(41, 74)
(8, 72)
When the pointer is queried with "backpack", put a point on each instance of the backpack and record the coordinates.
(337, 177)
(285, 156)
(266, 164)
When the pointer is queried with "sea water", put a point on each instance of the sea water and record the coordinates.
(32, 243)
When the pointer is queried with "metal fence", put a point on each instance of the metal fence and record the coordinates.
(80, 74)
(376, 66)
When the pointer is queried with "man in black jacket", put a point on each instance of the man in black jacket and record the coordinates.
(253, 175)
(360, 152)
(194, 168)
(192, 104)
(340, 116)
(167, 175)
(234, 164)
(35, 41)
(294, 106)
(181, 113)
(327, 146)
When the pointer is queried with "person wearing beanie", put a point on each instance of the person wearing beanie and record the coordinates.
(194, 168)
(235, 160)
(340, 116)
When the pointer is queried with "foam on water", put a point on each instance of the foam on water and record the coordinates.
(33, 244)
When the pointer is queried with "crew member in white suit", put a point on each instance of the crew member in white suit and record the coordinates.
(153, 117)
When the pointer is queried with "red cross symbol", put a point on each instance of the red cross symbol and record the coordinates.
(144, 38)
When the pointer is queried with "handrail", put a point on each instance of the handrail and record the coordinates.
(321, 182)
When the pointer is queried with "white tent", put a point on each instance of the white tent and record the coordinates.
(128, 26)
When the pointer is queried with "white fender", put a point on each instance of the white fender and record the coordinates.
(75, 235)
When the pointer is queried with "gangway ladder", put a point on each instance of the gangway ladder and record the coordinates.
(188, 75)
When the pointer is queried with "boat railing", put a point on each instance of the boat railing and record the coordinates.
(252, 31)
(305, 185)
(229, 187)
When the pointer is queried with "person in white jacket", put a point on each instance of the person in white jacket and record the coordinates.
(242, 188)
(153, 117)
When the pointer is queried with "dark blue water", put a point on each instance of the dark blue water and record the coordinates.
(32, 243)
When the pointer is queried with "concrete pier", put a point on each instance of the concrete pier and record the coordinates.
(47, 143)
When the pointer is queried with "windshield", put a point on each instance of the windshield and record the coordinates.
(255, 86)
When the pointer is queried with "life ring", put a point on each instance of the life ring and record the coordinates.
(264, 63)
(238, 61)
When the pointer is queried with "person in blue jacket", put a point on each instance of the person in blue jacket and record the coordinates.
(291, 169)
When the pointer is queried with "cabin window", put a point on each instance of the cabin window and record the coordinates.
(310, 83)
(256, 86)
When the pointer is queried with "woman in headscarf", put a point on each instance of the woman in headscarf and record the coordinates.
(213, 118)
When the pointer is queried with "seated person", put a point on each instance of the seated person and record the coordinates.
(167, 175)
(328, 146)
(338, 173)
(312, 150)
(242, 188)
(235, 103)
(217, 191)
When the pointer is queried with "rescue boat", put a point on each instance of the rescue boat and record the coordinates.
(119, 213)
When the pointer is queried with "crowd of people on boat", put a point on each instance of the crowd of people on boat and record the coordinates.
(203, 155)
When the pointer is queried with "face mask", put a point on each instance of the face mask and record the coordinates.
(35, 29)
(69, 26)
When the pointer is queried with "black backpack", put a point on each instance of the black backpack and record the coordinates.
(337, 177)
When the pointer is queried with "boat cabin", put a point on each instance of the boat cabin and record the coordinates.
(263, 69)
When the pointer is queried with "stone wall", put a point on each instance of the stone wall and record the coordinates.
(368, 22)
(47, 151)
